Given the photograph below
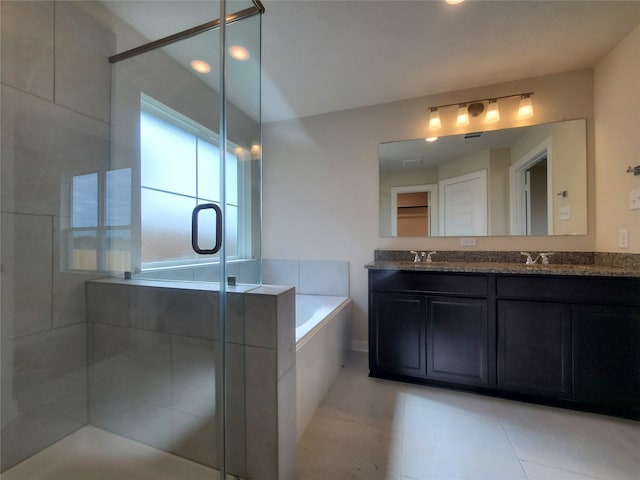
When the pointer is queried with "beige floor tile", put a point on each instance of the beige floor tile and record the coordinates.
(536, 471)
(94, 454)
(579, 442)
(335, 448)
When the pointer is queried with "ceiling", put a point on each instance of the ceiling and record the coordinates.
(321, 56)
(324, 56)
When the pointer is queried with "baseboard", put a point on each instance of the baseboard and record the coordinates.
(360, 345)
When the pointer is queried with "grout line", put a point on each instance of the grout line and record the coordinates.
(504, 429)
(582, 474)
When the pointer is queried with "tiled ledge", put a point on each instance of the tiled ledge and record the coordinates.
(561, 263)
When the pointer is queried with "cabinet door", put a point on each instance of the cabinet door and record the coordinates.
(397, 334)
(457, 340)
(607, 356)
(534, 348)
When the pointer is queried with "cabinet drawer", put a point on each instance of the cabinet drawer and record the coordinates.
(428, 282)
(601, 290)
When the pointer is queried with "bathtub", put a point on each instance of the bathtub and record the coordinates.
(323, 333)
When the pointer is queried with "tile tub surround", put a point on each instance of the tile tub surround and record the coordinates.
(309, 277)
(153, 360)
(320, 355)
(561, 263)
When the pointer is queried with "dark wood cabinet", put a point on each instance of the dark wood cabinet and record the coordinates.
(534, 348)
(458, 340)
(415, 333)
(606, 356)
(397, 344)
(572, 341)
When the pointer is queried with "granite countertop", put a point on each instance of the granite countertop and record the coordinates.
(512, 262)
(508, 268)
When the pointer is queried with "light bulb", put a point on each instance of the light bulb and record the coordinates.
(463, 116)
(493, 114)
(200, 66)
(525, 110)
(434, 120)
(239, 53)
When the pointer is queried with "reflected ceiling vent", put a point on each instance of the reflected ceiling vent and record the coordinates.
(414, 162)
(471, 136)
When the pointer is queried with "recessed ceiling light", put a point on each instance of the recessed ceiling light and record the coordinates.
(430, 139)
(200, 66)
(453, 2)
(239, 53)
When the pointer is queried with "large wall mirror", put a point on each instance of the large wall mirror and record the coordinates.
(517, 181)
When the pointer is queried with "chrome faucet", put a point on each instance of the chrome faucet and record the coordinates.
(543, 255)
(429, 256)
(418, 256)
(529, 261)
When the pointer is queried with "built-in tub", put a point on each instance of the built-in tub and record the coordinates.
(323, 333)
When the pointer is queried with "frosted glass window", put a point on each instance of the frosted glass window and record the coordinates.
(84, 203)
(166, 226)
(208, 171)
(168, 156)
(118, 202)
(171, 189)
(232, 179)
(231, 237)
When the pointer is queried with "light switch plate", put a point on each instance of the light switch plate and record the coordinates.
(634, 199)
(623, 238)
(564, 213)
(467, 242)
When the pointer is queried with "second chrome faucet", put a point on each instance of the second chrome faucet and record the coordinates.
(418, 256)
(543, 257)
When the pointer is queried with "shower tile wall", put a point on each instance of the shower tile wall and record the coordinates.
(55, 112)
(154, 367)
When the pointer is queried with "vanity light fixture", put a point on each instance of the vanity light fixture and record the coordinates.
(462, 120)
(493, 113)
(434, 119)
(475, 108)
(525, 110)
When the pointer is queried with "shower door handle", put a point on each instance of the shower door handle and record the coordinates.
(194, 229)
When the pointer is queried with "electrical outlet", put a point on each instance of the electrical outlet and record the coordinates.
(623, 238)
(467, 242)
(634, 199)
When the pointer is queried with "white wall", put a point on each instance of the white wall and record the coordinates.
(320, 196)
(617, 110)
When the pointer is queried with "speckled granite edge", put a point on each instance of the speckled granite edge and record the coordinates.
(565, 258)
(561, 263)
(622, 260)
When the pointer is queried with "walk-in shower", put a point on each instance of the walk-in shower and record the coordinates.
(131, 167)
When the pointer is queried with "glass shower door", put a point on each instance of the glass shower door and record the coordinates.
(182, 141)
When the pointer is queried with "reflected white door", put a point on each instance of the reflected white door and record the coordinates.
(463, 205)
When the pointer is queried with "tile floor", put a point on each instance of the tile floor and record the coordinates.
(381, 430)
(94, 454)
(376, 429)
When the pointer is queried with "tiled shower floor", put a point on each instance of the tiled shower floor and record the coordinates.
(94, 454)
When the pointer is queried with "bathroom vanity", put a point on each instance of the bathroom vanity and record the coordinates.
(565, 335)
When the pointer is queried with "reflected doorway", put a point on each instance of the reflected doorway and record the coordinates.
(414, 211)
